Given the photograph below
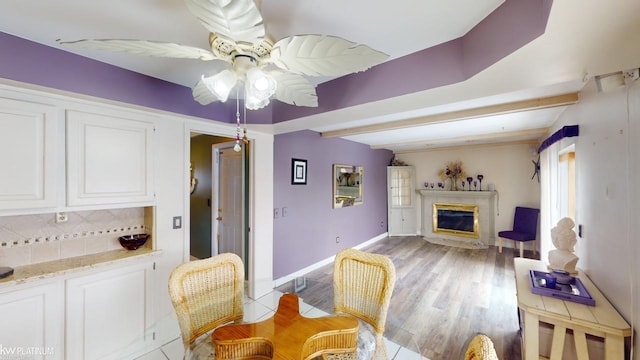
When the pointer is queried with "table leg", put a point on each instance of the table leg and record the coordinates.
(531, 336)
(581, 344)
(557, 344)
(613, 347)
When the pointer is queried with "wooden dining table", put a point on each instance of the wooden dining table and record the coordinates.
(291, 335)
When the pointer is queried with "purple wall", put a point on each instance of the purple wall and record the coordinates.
(307, 234)
(509, 27)
(33, 63)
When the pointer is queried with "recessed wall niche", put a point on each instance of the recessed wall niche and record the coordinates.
(37, 238)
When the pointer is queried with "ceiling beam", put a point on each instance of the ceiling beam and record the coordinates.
(469, 140)
(533, 143)
(490, 110)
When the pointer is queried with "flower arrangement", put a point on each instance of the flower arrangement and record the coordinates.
(453, 171)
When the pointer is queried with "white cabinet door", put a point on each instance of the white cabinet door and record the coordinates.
(107, 313)
(401, 200)
(109, 159)
(32, 322)
(29, 147)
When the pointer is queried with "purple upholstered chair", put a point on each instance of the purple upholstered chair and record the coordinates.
(525, 228)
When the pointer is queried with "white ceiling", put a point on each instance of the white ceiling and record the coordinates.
(583, 38)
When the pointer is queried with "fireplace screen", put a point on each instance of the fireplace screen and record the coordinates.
(456, 219)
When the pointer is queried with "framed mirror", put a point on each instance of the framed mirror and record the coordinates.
(347, 185)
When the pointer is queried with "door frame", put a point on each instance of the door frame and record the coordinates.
(260, 201)
(215, 190)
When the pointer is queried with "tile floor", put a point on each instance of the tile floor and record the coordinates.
(260, 309)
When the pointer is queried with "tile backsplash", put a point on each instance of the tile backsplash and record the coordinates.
(31, 239)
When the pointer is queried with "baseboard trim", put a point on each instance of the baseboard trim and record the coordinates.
(324, 262)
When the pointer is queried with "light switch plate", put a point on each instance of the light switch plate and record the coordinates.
(177, 222)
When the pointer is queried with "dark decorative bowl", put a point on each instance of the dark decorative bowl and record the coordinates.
(132, 242)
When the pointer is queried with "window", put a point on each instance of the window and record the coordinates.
(566, 183)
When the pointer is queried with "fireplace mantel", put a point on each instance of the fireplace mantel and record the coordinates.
(486, 207)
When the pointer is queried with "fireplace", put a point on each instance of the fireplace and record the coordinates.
(466, 218)
(456, 219)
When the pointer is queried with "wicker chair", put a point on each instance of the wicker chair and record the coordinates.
(481, 348)
(362, 286)
(255, 348)
(205, 294)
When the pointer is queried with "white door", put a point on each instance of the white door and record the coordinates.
(401, 200)
(228, 210)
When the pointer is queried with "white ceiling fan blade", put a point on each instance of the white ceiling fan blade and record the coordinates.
(295, 89)
(236, 20)
(143, 47)
(320, 55)
(202, 94)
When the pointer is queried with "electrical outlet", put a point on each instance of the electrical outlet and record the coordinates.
(276, 213)
(61, 217)
(631, 75)
(337, 239)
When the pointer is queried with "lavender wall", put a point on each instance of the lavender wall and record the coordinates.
(307, 234)
(29, 62)
(509, 27)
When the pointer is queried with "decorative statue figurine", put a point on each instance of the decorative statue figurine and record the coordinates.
(564, 239)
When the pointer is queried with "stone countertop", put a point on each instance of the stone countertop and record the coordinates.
(50, 269)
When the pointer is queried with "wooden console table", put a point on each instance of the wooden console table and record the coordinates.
(602, 320)
(293, 336)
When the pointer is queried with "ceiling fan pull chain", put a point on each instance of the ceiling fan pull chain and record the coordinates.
(237, 146)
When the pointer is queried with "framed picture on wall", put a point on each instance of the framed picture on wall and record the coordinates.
(298, 172)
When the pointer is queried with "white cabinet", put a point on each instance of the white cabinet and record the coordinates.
(109, 159)
(30, 145)
(401, 200)
(100, 313)
(32, 322)
(107, 313)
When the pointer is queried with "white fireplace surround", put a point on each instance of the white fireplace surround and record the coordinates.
(486, 208)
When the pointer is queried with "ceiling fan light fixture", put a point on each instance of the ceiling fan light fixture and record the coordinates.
(258, 88)
(221, 83)
(237, 36)
(260, 84)
(253, 103)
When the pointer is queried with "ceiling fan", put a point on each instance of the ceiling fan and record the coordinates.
(264, 68)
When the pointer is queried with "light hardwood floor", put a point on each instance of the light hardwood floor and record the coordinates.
(445, 295)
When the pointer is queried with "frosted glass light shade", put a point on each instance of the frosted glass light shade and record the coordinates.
(258, 88)
(221, 83)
